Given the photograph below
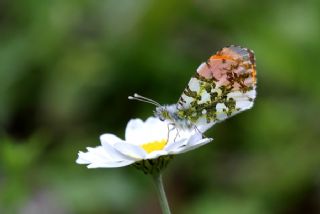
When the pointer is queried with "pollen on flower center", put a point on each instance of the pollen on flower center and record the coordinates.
(154, 145)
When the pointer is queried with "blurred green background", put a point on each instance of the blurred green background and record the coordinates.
(67, 67)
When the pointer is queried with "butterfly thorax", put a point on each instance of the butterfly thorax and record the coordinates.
(172, 114)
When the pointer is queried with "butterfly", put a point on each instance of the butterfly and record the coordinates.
(222, 86)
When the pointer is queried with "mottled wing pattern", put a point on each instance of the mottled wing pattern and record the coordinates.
(222, 87)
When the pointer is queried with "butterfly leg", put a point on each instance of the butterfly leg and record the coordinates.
(171, 129)
(197, 130)
(176, 134)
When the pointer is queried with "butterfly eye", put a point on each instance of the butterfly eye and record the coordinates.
(161, 117)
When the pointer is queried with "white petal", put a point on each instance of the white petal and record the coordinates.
(108, 141)
(97, 154)
(181, 142)
(98, 157)
(114, 153)
(194, 146)
(133, 151)
(139, 132)
(111, 139)
(156, 154)
(175, 134)
(133, 126)
(156, 129)
(153, 121)
(175, 145)
(194, 139)
(111, 164)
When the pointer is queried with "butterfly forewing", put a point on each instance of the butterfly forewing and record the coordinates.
(223, 86)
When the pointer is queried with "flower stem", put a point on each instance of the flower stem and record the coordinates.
(157, 178)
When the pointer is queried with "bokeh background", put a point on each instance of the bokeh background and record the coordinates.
(67, 67)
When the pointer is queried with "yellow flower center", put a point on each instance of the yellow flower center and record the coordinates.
(154, 145)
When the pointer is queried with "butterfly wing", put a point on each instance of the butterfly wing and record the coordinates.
(222, 87)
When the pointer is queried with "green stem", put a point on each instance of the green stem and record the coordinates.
(157, 178)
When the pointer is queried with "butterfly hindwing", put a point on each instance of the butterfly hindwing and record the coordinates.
(222, 87)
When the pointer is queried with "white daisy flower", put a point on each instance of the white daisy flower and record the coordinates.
(148, 144)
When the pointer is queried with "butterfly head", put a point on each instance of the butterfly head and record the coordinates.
(162, 112)
(165, 112)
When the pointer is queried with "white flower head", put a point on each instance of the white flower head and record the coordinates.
(144, 141)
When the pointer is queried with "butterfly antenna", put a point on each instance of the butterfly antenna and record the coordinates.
(143, 99)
